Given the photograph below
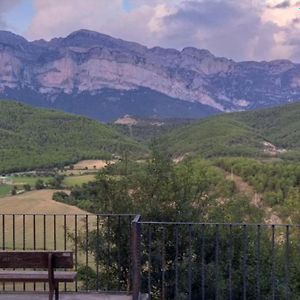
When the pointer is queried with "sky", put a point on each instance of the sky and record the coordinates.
(237, 29)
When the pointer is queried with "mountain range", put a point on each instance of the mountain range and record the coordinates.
(96, 75)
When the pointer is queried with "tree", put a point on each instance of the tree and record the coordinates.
(14, 190)
(39, 184)
(56, 181)
(27, 187)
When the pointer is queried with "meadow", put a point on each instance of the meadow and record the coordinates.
(34, 221)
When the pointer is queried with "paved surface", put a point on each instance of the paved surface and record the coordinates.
(63, 296)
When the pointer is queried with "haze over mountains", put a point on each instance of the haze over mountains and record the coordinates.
(106, 78)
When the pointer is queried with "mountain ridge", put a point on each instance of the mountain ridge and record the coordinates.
(87, 62)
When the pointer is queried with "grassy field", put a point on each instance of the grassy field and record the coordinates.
(69, 181)
(28, 180)
(39, 203)
(5, 190)
(78, 180)
(49, 229)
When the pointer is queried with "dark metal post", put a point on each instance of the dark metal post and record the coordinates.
(136, 257)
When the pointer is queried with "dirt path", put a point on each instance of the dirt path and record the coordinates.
(256, 198)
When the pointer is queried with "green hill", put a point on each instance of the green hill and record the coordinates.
(37, 138)
(281, 125)
(239, 134)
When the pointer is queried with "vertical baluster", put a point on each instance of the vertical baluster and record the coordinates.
(54, 232)
(176, 261)
(273, 263)
(87, 250)
(3, 240)
(258, 261)
(65, 243)
(14, 241)
(34, 241)
(230, 250)
(24, 243)
(190, 264)
(203, 262)
(163, 264)
(287, 267)
(76, 249)
(108, 236)
(245, 258)
(217, 261)
(3, 232)
(44, 239)
(129, 288)
(149, 259)
(97, 253)
(119, 238)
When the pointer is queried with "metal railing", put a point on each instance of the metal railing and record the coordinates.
(219, 261)
(101, 245)
(165, 260)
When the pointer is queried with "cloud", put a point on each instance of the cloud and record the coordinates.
(227, 28)
(5, 7)
(284, 4)
(59, 18)
(242, 30)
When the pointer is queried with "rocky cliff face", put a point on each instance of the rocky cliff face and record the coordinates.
(85, 64)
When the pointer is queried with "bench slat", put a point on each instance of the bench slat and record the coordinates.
(37, 276)
(35, 259)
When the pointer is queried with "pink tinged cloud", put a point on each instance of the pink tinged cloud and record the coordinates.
(241, 30)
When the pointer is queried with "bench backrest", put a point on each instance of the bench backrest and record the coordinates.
(35, 259)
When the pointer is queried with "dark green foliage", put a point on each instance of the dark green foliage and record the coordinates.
(27, 187)
(278, 182)
(280, 125)
(161, 191)
(239, 134)
(147, 129)
(33, 138)
(158, 189)
(217, 136)
(56, 182)
(195, 191)
(14, 190)
(39, 185)
(60, 196)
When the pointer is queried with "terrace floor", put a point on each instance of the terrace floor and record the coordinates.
(63, 296)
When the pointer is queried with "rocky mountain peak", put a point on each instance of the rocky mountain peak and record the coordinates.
(197, 53)
(11, 39)
(85, 63)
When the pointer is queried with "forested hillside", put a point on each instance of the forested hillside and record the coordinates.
(281, 124)
(240, 134)
(33, 138)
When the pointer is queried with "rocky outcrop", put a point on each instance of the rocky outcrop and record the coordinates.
(86, 62)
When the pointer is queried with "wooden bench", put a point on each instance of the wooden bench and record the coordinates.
(49, 260)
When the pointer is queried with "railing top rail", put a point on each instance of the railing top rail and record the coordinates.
(82, 214)
(216, 224)
(137, 219)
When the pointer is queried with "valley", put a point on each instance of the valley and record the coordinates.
(258, 151)
(150, 149)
